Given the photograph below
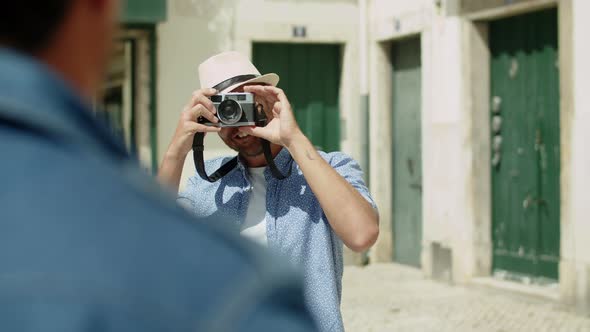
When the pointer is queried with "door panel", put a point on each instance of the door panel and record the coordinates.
(310, 76)
(525, 144)
(407, 152)
(143, 11)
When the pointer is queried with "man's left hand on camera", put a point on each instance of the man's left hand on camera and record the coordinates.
(350, 215)
(282, 128)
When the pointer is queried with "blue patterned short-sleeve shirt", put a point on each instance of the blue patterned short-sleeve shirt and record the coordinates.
(297, 228)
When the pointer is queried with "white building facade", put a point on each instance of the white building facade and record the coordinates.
(462, 191)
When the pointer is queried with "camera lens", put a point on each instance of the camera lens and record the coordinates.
(229, 112)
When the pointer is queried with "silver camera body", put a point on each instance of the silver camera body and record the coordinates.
(235, 109)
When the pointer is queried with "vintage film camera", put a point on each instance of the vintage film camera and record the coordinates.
(234, 110)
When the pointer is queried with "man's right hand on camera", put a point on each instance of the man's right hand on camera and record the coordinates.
(198, 106)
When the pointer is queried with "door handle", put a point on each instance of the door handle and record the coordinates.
(410, 163)
(528, 201)
(416, 186)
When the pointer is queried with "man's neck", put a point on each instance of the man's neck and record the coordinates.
(70, 70)
(260, 160)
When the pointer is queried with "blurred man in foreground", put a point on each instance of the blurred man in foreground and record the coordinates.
(87, 243)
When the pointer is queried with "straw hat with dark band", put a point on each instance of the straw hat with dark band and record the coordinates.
(229, 70)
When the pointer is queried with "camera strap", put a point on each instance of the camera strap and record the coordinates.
(274, 170)
(198, 148)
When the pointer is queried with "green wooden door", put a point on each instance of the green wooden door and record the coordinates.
(310, 76)
(407, 152)
(525, 144)
(143, 11)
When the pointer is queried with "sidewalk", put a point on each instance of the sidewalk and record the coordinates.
(389, 297)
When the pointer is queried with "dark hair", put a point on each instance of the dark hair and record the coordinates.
(29, 25)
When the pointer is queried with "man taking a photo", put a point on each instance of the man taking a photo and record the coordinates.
(305, 217)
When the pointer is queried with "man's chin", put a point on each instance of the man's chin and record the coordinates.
(251, 153)
(253, 149)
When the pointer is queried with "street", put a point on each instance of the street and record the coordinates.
(389, 297)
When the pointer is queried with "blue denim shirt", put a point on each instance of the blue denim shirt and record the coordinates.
(297, 227)
(90, 243)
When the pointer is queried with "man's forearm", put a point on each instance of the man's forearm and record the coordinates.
(170, 171)
(350, 215)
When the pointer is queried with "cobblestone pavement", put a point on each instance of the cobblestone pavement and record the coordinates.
(388, 297)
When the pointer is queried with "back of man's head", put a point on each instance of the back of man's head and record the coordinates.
(72, 36)
(29, 25)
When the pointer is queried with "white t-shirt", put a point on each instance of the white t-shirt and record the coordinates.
(254, 227)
